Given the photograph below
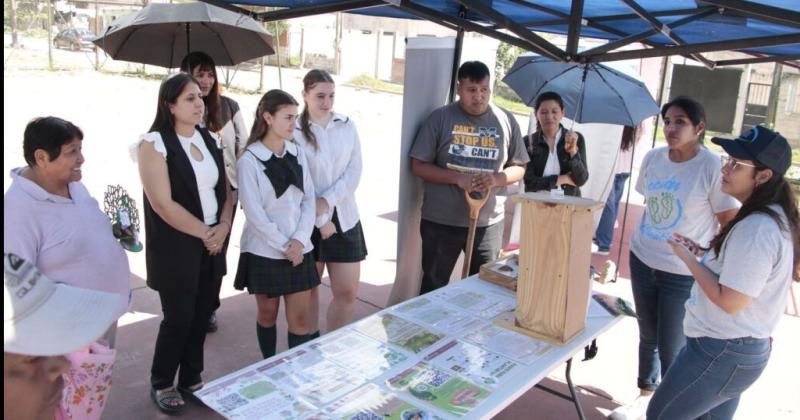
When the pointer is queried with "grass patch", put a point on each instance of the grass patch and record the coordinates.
(513, 106)
(364, 81)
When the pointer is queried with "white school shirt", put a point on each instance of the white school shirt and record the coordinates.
(205, 172)
(335, 167)
(273, 221)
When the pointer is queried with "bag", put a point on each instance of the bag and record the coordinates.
(87, 384)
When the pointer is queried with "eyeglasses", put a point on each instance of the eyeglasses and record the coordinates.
(732, 163)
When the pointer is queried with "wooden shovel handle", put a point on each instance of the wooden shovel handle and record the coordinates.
(475, 205)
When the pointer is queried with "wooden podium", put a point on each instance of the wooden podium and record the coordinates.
(555, 254)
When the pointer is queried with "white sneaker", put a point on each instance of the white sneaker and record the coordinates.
(607, 273)
(634, 411)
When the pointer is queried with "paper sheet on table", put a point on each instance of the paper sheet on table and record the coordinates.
(439, 388)
(474, 363)
(388, 328)
(513, 345)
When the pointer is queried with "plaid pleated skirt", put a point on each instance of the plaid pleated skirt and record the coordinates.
(272, 277)
(341, 247)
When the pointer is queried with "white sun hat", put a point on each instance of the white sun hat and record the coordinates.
(43, 318)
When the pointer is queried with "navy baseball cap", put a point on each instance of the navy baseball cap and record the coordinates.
(761, 145)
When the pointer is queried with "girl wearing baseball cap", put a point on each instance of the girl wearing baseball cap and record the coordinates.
(741, 284)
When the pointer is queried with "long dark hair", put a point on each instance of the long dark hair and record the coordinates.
(775, 191)
(309, 81)
(546, 96)
(271, 102)
(213, 100)
(630, 135)
(171, 88)
(693, 109)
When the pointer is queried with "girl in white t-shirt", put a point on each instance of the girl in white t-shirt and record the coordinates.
(741, 284)
(680, 184)
(331, 144)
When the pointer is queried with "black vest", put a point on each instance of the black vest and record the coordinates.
(173, 257)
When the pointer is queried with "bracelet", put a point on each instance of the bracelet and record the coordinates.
(225, 221)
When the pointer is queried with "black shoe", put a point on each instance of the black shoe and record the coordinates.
(212, 322)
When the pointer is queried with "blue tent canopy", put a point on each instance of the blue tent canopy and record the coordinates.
(767, 30)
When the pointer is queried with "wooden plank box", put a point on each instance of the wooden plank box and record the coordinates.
(502, 272)
(553, 287)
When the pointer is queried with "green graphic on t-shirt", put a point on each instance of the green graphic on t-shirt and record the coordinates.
(661, 208)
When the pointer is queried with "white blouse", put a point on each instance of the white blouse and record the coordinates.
(271, 221)
(552, 167)
(335, 167)
(205, 171)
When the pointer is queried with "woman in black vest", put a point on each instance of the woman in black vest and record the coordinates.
(558, 156)
(187, 213)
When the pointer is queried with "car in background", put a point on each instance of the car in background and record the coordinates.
(74, 39)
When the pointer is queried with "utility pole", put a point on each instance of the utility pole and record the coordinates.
(302, 63)
(14, 40)
(378, 33)
(278, 54)
(97, 28)
(774, 95)
(49, 35)
(337, 45)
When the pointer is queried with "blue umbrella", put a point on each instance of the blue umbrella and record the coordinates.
(592, 93)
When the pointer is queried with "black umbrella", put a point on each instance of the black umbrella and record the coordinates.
(162, 34)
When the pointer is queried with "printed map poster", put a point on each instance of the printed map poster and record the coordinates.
(310, 375)
(358, 353)
(508, 343)
(372, 403)
(433, 314)
(474, 149)
(476, 364)
(439, 388)
(485, 305)
(250, 395)
(388, 328)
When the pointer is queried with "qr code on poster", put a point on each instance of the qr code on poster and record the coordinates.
(434, 377)
(231, 402)
(366, 415)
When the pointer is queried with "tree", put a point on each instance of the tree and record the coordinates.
(506, 55)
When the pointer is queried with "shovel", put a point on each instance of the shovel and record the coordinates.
(475, 205)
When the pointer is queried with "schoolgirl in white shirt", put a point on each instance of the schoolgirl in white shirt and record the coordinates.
(331, 144)
(277, 195)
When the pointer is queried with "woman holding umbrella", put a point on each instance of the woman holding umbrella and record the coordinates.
(223, 117)
(681, 185)
(741, 284)
(187, 209)
(558, 156)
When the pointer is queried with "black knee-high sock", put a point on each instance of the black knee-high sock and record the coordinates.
(315, 335)
(298, 339)
(267, 340)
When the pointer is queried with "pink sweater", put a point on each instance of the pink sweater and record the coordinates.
(69, 240)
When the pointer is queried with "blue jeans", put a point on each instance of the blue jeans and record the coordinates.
(605, 230)
(660, 297)
(708, 377)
